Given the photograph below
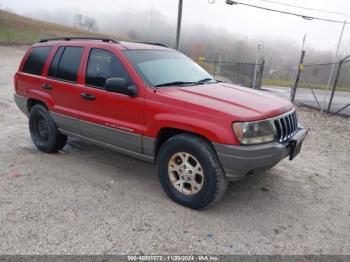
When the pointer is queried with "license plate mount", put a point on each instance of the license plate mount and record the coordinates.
(296, 143)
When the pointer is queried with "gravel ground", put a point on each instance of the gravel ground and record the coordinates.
(88, 200)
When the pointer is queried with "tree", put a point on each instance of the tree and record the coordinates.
(90, 23)
(85, 22)
(78, 21)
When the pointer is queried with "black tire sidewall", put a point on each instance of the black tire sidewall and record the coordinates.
(40, 111)
(205, 157)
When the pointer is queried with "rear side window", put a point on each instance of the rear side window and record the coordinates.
(102, 65)
(36, 60)
(55, 61)
(65, 64)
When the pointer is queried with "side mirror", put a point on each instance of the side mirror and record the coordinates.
(119, 85)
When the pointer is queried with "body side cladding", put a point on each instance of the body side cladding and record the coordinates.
(124, 151)
(113, 136)
(66, 122)
(118, 140)
(148, 145)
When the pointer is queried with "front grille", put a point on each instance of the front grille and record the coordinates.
(286, 126)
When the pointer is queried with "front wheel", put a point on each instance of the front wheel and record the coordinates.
(43, 130)
(189, 171)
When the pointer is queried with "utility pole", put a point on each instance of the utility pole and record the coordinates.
(178, 29)
(300, 68)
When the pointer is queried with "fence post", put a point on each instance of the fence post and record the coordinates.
(300, 68)
(262, 66)
(334, 86)
(215, 65)
(259, 52)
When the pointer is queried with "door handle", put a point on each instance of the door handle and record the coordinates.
(46, 86)
(87, 96)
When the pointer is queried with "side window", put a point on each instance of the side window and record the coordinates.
(102, 65)
(65, 64)
(36, 60)
(55, 61)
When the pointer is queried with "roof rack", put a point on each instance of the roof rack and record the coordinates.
(149, 43)
(68, 38)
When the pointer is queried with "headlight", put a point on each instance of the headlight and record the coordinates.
(249, 133)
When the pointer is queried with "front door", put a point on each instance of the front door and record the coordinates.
(112, 118)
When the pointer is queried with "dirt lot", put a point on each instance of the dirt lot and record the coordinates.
(88, 200)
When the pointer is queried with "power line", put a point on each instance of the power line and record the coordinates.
(306, 8)
(306, 17)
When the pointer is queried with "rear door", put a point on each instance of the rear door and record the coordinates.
(29, 79)
(108, 117)
(61, 83)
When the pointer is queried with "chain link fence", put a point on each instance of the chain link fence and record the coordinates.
(325, 87)
(244, 74)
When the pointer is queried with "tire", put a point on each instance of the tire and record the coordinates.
(43, 130)
(190, 185)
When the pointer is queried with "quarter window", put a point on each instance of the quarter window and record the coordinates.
(66, 62)
(102, 65)
(36, 60)
(55, 61)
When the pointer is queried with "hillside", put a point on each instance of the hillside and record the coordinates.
(20, 30)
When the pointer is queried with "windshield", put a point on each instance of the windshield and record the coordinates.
(167, 68)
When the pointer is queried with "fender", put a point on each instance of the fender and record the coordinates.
(214, 131)
(41, 96)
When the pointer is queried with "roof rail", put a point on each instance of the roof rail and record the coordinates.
(149, 43)
(68, 38)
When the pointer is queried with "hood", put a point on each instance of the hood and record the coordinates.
(243, 103)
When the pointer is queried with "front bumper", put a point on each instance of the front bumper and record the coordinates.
(241, 161)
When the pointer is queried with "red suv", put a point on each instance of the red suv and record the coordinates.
(155, 104)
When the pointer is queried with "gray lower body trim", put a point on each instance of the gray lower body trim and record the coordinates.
(148, 145)
(115, 137)
(118, 140)
(112, 136)
(21, 103)
(118, 149)
(241, 161)
(66, 122)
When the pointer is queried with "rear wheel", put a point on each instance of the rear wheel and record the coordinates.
(43, 130)
(189, 171)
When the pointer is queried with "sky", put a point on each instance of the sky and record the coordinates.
(239, 19)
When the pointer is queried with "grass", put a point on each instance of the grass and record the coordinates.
(285, 83)
(12, 36)
(210, 68)
(20, 30)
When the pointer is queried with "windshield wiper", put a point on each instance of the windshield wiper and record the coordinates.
(207, 80)
(182, 83)
(176, 83)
